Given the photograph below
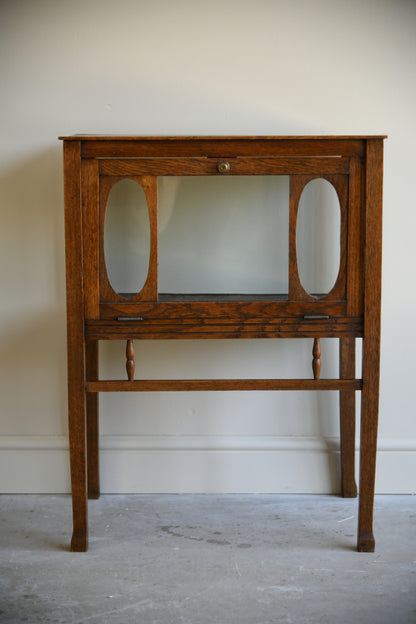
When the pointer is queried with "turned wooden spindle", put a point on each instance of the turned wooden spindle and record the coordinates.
(130, 363)
(316, 363)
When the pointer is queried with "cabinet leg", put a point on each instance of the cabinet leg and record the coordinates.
(92, 423)
(76, 345)
(371, 343)
(78, 460)
(347, 418)
(368, 451)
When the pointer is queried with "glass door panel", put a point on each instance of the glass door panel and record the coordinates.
(225, 235)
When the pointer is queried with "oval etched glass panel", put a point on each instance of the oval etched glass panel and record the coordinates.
(318, 237)
(127, 238)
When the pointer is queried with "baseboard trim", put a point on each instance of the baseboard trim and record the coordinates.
(291, 464)
(41, 443)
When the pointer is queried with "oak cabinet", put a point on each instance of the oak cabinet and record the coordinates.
(130, 279)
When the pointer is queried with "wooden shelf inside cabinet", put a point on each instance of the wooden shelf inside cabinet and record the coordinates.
(151, 295)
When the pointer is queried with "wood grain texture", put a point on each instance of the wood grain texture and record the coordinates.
(192, 385)
(221, 329)
(149, 290)
(188, 138)
(252, 307)
(208, 166)
(75, 340)
(355, 245)
(371, 342)
(347, 418)
(296, 290)
(93, 469)
(227, 147)
(90, 225)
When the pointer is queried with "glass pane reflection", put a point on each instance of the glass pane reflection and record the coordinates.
(127, 238)
(223, 234)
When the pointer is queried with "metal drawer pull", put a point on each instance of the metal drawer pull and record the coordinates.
(224, 166)
(130, 318)
(311, 317)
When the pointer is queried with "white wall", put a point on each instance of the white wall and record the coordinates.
(195, 67)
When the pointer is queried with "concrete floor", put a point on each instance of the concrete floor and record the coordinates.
(207, 559)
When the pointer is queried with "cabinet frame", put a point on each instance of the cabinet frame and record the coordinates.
(353, 165)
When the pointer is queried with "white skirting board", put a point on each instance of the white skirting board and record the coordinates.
(201, 464)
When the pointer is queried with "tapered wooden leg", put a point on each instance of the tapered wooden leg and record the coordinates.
(92, 423)
(76, 345)
(79, 542)
(366, 542)
(368, 447)
(78, 445)
(371, 345)
(347, 418)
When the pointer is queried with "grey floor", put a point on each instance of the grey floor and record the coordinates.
(207, 559)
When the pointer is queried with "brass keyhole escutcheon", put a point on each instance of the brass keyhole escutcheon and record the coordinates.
(224, 166)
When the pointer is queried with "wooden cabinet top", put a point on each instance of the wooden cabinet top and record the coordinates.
(130, 146)
(129, 137)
